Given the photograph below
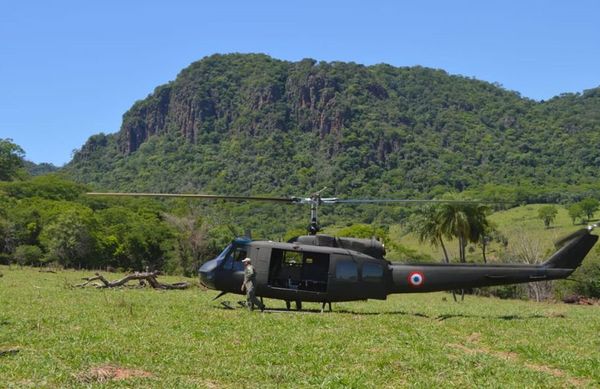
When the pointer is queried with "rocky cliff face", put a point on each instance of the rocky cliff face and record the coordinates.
(215, 93)
(146, 118)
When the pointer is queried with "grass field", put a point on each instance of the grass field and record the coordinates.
(70, 337)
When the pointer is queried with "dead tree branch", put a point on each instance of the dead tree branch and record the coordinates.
(149, 277)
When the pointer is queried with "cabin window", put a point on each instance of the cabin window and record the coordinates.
(372, 272)
(233, 260)
(346, 270)
(292, 258)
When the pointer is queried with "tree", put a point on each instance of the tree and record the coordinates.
(364, 231)
(575, 212)
(49, 186)
(467, 222)
(424, 223)
(191, 240)
(547, 213)
(589, 206)
(489, 234)
(11, 159)
(527, 249)
(7, 236)
(68, 240)
(27, 254)
(464, 221)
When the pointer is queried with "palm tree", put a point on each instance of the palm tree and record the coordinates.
(424, 224)
(481, 227)
(464, 221)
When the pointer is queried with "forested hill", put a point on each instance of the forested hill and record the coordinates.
(248, 123)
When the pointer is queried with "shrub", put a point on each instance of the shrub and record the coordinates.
(27, 255)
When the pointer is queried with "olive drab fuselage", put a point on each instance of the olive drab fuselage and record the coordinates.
(308, 272)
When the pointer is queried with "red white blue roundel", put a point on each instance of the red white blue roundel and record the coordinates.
(416, 279)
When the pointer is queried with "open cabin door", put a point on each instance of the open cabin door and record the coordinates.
(299, 270)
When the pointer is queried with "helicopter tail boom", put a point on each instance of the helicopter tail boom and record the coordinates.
(415, 278)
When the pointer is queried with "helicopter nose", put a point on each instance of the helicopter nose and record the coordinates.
(207, 273)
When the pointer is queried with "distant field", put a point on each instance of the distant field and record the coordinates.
(521, 220)
(69, 337)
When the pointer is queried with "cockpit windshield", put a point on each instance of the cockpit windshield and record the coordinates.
(223, 254)
(233, 257)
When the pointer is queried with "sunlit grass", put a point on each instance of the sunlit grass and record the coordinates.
(183, 339)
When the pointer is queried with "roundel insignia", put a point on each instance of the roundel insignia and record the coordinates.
(416, 279)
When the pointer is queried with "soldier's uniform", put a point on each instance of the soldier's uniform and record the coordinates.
(249, 285)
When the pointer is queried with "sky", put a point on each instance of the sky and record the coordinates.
(71, 69)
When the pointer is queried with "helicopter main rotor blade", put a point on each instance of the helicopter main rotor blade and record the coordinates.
(198, 196)
(334, 200)
(316, 199)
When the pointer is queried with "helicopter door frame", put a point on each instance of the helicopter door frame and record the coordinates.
(299, 270)
(345, 283)
(373, 279)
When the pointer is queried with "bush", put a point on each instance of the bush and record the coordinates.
(5, 259)
(27, 255)
(515, 291)
(585, 280)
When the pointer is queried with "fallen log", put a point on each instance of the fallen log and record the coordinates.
(580, 300)
(149, 277)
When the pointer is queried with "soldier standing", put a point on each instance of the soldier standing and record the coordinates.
(249, 285)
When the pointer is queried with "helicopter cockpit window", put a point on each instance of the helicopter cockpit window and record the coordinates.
(233, 260)
(346, 271)
(372, 272)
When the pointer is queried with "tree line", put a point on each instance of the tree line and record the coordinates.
(49, 219)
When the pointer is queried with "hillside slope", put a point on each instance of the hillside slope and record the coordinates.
(253, 124)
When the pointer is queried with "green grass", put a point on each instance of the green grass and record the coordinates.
(525, 218)
(184, 340)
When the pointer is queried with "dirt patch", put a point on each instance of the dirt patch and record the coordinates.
(556, 315)
(111, 373)
(211, 385)
(473, 339)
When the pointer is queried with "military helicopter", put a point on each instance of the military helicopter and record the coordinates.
(326, 269)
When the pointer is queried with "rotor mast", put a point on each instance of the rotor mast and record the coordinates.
(315, 201)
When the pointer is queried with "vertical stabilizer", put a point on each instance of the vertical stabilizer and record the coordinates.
(572, 251)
